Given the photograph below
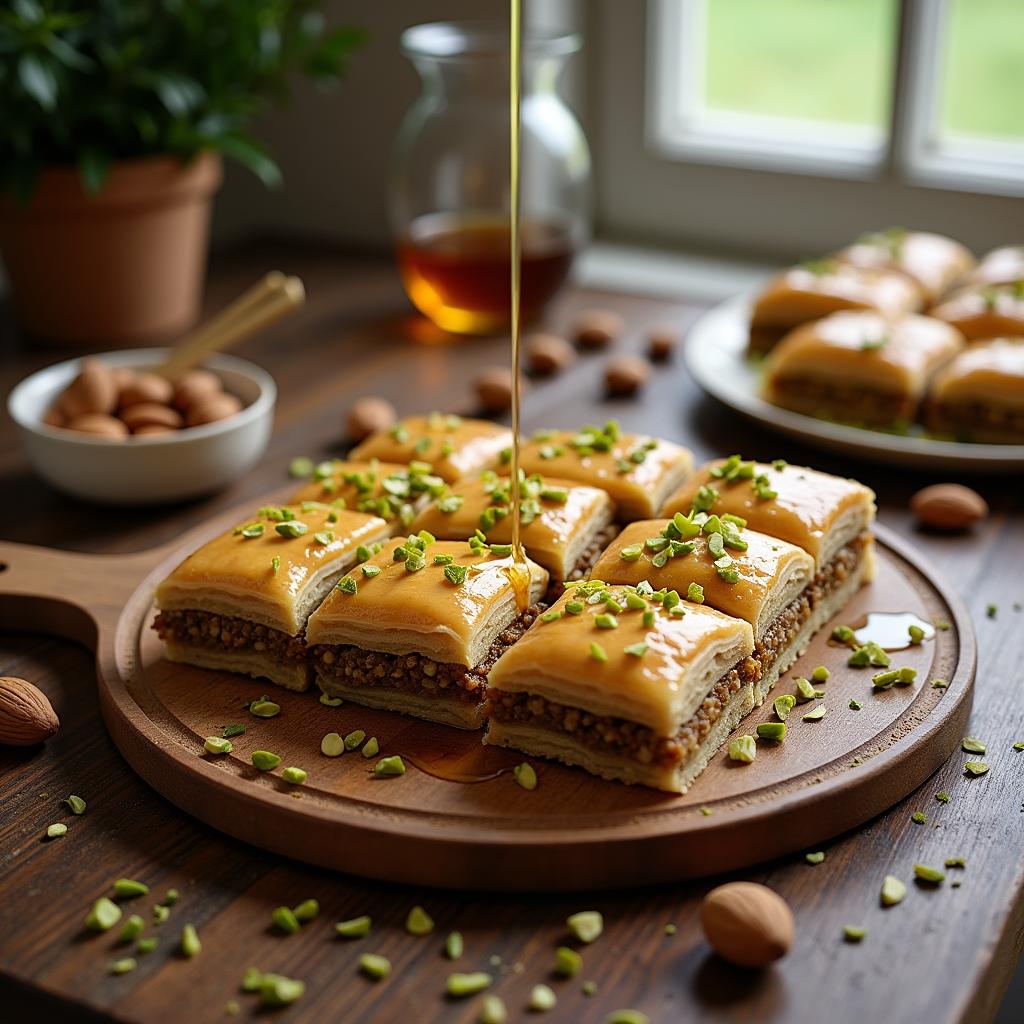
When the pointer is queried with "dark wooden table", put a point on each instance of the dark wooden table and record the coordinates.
(943, 955)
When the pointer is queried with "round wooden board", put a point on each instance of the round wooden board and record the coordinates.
(573, 831)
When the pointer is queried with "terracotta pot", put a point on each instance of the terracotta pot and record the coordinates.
(117, 268)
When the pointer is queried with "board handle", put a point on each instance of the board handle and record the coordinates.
(65, 593)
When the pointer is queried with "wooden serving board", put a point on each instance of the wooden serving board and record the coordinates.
(457, 818)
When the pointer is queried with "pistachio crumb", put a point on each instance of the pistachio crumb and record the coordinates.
(542, 999)
(815, 858)
(419, 922)
(375, 966)
(893, 891)
(525, 775)
(454, 946)
(461, 985)
(355, 928)
(586, 925)
(853, 932)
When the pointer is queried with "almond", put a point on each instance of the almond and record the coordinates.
(950, 507)
(369, 415)
(747, 924)
(626, 375)
(26, 716)
(597, 328)
(494, 388)
(547, 354)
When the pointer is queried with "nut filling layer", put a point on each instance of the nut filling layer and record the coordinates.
(195, 628)
(413, 673)
(622, 737)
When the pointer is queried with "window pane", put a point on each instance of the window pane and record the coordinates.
(982, 88)
(819, 60)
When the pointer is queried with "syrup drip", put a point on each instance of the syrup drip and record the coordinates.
(890, 630)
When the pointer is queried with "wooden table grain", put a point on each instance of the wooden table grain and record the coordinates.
(944, 955)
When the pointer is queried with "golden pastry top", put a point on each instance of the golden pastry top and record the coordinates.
(1001, 266)
(934, 261)
(386, 489)
(989, 311)
(632, 469)
(989, 370)
(711, 560)
(866, 348)
(652, 664)
(453, 445)
(264, 568)
(554, 514)
(424, 596)
(794, 503)
(818, 287)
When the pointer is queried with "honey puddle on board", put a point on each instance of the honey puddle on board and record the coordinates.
(890, 630)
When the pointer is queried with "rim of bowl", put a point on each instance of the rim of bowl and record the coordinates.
(264, 401)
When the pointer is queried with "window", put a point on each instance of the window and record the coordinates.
(781, 128)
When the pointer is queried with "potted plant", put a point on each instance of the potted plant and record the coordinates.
(115, 116)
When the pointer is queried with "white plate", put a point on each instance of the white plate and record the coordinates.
(715, 355)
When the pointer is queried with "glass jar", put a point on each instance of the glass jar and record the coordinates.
(450, 187)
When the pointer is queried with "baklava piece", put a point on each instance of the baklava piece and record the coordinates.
(714, 560)
(979, 396)
(241, 602)
(859, 368)
(987, 311)
(631, 684)
(391, 490)
(565, 525)
(417, 627)
(454, 446)
(934, 262)
(636, 471)
(1001, 266)
(819, 287)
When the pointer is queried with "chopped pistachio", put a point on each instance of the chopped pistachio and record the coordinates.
(916, 634)
(331, 702)
(855, 705)
(460, 985)
(374, 966)
(492, 1011)
(973, 746)
(291, 529)
(75, 804)
(455, 574)
(132, 929)
(218, 745)
(252, 531)
(695, 593)
(956, 862)
(919, 817)
(190, 944)
(637, 650)
(597, 652)
(928, 874)
(976, 767)
(453, 945)
(706, 811)
(853, 932)
(893, 891)
(542, 999)
(355, 928)
(775, 731)
(816, 715)
(275, 564)
(234, 729)
(389, 766)
(307, 910)
(56, 830)
(939, 684)
(277, 990)
(170, 898)
(868, 654)
(631, 553)
(251, 980)
(332, 745)
(147, 946)
(104, 915)
(285, 919)
(122, 966)
(606, 621)
(991, 610)
(1019, 745)
(820, 674)
(129, 889)
(589, 988)
(783, 704)
(815, 858)
(264, 708)
(586, 925)
(843, 634)
(264, 760)
(419, 922)
(161, 913)
(575, 607)
(294, 776)
(742, 748)
(627, 1017)
(942, 797)
(804, 690)
(371, 748)
(567, 961)
(354, 739)
(525, 775)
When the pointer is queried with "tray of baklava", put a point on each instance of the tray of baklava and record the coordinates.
(702, 666)
(902, 347)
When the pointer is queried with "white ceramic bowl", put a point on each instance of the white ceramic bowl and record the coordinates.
(145, 470)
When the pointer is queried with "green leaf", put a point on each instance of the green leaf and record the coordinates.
(68, 55)
(252, 156)
(93, 168)
(38, 80)
(29, 11)
(178, 93)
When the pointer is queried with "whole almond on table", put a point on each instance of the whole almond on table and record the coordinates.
(100, 424)
(26, 715)
(625, 375)
(210, 408)
(93, 390)
(661, 343)
(747, 924)
(597, 328)
(949, 507)
(494, 388)
(369, 415)
(548, 354)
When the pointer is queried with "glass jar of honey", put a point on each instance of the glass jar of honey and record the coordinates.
(450, 187)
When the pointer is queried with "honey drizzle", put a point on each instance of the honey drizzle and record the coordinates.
(519, 571)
